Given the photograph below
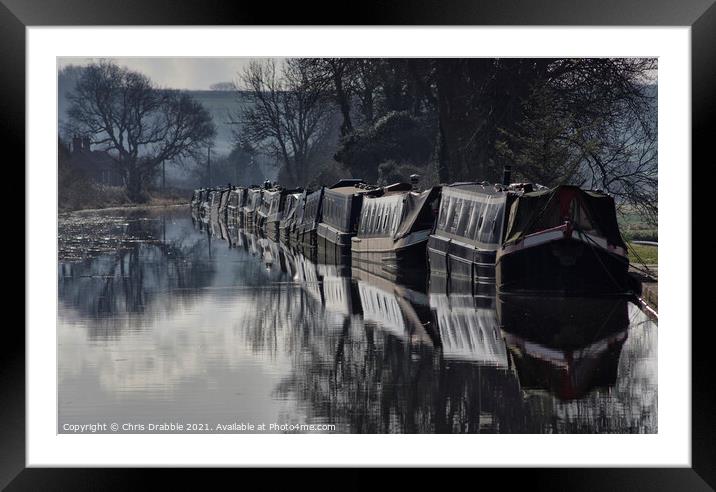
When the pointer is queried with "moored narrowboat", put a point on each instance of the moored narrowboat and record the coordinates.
(251, 205)
(205, 204)
(195, 204)
(468, 232)
(237, 198)
(308, 217)
(340, 215)
(560, 240)
(393, 232)
(270, 212)
(224, 202)
(287, 223)
(564, 240)
(214, 202)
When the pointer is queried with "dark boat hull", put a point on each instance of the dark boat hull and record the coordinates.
(404, 265)
(565, 267)
(462, 264)
(332, 243)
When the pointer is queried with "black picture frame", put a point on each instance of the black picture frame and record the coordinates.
(16, 15)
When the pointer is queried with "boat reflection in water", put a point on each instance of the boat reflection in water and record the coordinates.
(468, 329)
(566, 346)
(185, 324)
(482, 357)
(400, 311)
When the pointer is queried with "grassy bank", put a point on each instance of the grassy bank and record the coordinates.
(634, 227)
(101, 197)
(647, 254)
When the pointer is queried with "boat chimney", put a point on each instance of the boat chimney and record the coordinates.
(507, 175)
(414, 179)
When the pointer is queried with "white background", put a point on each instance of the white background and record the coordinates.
(671, 446)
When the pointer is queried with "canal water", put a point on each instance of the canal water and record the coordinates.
(166, 321)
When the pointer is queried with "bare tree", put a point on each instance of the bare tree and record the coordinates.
(591, 122)
(333, 76)
(288, 116)
(137, 123)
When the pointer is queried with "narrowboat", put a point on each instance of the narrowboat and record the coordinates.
(262, 211)
(468, 233)
(287, 224)
(561, 240)
(340, 215)
(564, 346)
(564, 240)
(223, 203)
(215, 197)
(237, 198)
(205, 205)
(308, 217)
(393, 232)
(253, 201)
(270, 212)
(195, 204)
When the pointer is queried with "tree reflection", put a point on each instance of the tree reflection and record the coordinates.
(159, 255)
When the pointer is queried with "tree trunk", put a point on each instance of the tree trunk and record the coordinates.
(344, 104)
(443, 156)
(134, 184)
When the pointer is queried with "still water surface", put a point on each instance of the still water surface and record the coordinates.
(162, 319)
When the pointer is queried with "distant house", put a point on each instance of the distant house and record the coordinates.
(97, 165)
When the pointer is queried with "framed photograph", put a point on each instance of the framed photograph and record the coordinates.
(420, 237)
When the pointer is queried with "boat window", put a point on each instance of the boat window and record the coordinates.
(446, 210)
(380, 212)
(465, 217)
(470, 226)
(369, 218)
(456, 215)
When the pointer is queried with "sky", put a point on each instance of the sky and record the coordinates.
(188, 73)
(177, 72)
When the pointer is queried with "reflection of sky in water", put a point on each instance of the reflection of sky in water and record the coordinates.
(186, 328)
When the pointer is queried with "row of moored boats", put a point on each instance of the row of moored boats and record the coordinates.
(516, 237)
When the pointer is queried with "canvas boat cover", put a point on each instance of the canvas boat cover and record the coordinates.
(309, 214)
(381, 216)
(472, 213)
(341, 206)
(290, 207)
(418, 212)
(397, 214)
(270, 200)
(253, 198)
(589, 211)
